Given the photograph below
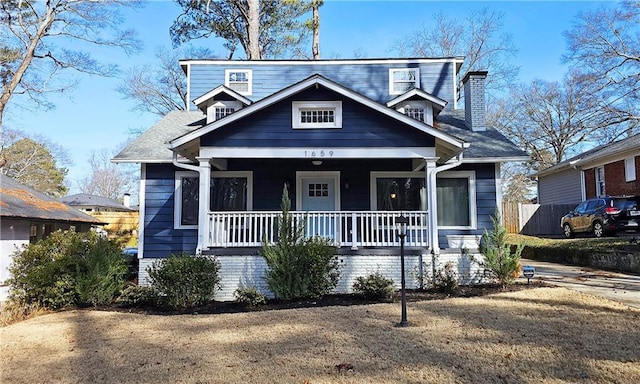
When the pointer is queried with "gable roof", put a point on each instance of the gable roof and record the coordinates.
(19, 201)
(624, 147)
(198, 101)
(87, 200)
(438, 102)
(453, 144)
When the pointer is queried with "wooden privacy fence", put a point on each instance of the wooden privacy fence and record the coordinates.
(534, 219)
(122, 226)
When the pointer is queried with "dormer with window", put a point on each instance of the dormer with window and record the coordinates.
(220, 102)
(419, 105)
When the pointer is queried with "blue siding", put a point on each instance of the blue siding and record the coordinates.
(371, 80)
(361, 127)
(160, 239)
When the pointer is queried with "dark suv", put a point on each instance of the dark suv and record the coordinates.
(604, 215)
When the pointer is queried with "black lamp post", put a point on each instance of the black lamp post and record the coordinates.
(401, 227)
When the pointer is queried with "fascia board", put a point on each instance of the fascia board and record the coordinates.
(218, 90)
(453, 59)
(296, 88)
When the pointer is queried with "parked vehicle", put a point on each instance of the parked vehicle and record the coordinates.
(603, 215)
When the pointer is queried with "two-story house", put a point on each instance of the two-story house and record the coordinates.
(357, 142)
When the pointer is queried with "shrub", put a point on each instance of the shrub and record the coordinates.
(298, 267)
(500, 261)
(65, 269)
(138, 296)
(14, 313)
(185, 281)
(250, 297)
(101, 274)
(374, 287)
(446, 279)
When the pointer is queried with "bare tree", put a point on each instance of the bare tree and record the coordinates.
(108, 179)
(479, 38)
(161, 88)
(35, 162)
(604, 46)
(263, 29)
(550, 119)
(33, 33)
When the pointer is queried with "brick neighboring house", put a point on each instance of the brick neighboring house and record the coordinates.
(612, 169)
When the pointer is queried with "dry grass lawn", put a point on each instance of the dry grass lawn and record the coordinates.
(550, 335)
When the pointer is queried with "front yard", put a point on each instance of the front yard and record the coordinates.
(530, 336)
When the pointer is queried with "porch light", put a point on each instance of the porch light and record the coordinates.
(401, 227)
(316, 162)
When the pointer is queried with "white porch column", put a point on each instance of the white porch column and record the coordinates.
(432, 201)
(204, 170)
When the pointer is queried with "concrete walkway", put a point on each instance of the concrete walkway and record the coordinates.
(621, 287)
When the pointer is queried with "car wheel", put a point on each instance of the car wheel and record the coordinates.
(598, 230)
(568, 233)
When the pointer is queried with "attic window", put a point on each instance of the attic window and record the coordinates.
(221, 108)
(416, 113)
(402, 80)
(239, 80)
(223, 111)
(316, 114)
(418, 110)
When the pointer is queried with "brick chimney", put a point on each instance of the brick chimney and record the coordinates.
(474, 100)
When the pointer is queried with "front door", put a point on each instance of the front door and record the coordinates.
(318, 195)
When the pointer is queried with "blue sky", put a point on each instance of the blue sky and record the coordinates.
(94, 116)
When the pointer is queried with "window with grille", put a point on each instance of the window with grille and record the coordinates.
(221, 112)
(416, 113)
(402, 80)
(239, 80)
(316, 114)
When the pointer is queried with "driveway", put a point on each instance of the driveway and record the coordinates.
(621, 287)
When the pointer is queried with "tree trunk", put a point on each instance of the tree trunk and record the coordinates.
(316, 30)
(253, 29)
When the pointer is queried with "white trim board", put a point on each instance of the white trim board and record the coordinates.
(316, 153)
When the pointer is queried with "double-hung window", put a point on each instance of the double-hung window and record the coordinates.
(630, 169)
(455, 192)
(240, 80)
(402, 80)
(316, 114)
(600, 184)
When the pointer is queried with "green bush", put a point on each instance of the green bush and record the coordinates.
(374, 287)
(185, 281)
(138, 296)
(66, 269)
(500, 261)
(101, 274)
(250, 297)
(298, 267)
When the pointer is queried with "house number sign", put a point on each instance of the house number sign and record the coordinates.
(318, 153)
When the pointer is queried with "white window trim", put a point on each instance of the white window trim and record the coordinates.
(211, 109)
(297, 106)
(630, 169)
(230, 174)
(473, 209)
(393, 70)
(249, 73)
(600, 191)
(177, 200)
(335, 175)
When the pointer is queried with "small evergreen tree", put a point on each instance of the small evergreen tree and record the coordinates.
(298, 267)
(499, 260)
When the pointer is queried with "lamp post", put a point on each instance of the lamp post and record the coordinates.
(401, 227)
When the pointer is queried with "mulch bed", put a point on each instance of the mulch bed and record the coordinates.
(218, 307)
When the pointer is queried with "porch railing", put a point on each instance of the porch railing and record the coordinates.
(347, 228)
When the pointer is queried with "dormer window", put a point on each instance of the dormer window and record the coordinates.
(239, 80)
(417, 109)
(316, 114)
(402, 80)
(222, 108)
(415, 113)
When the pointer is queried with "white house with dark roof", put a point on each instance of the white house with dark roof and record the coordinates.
(358, 143)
